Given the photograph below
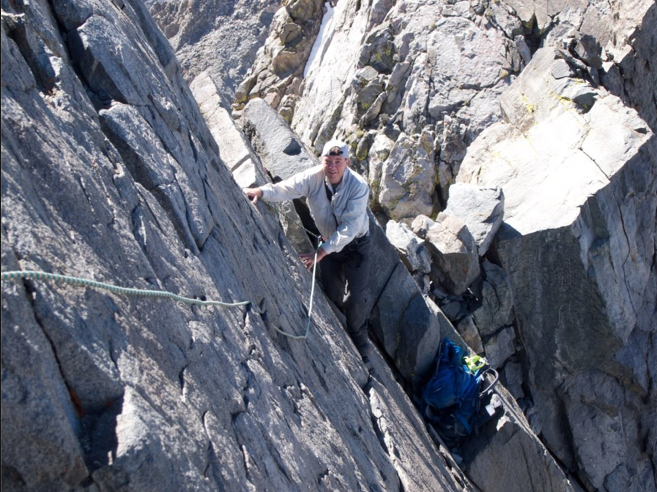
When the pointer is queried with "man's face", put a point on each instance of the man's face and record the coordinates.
(334, 167)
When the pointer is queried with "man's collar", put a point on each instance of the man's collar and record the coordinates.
(333, 187)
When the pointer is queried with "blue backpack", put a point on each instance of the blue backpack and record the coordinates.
(451, 400)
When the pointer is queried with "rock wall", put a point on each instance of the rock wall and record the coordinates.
(578, 242)
(218, 37)
(408, 326)
(417, 86)
(109, 172)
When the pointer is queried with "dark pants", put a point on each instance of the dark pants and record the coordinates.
(350, 268)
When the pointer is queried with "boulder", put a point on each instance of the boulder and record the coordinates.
(482, 210)
(378, 152)
(453, 250)
(407, 179)
(269, 133)
(411, 249)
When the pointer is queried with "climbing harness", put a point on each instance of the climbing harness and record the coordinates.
(83, 282)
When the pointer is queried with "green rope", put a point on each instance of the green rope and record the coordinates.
(82, 282)
(54, 277)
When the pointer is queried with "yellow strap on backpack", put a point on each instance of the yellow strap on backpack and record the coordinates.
(474, 362)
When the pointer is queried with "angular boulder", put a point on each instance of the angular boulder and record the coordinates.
(411, 248)
(452, 249)
(482, 210)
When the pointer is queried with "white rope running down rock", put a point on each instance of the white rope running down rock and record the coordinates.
(310, 308)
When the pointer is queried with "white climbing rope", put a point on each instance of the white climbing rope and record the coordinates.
(310, 308)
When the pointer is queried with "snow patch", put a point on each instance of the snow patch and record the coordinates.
(319, 42)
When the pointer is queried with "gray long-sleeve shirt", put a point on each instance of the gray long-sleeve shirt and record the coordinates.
(339, 220)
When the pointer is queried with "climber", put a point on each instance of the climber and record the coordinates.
(337, 198)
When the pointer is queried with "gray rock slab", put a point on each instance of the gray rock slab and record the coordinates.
(576, 244)
(481, 209)
(507, 439)
(410, 248)
(236, 151)
(414, 469)
(496, 306)
(103, 391)
(282, 152)
(453, 252)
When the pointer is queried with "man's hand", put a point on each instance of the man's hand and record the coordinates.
(253, 194)
(308, 259)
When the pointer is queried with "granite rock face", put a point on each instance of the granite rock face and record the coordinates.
(577, 169)
(408, 326)
(482, 210)
(218, 37)
(109, 172)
